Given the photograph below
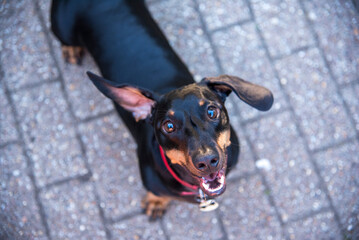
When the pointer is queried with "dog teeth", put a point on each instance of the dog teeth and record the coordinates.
(206, 185)
(204, 180)
(221, 180)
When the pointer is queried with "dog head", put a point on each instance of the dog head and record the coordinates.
(191, 123)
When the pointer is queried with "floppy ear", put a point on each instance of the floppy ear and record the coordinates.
(133, 99)
(254, 95)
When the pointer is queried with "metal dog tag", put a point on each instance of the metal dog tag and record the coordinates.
(206, 205)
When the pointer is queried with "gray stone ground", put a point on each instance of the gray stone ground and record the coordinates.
(68, 165)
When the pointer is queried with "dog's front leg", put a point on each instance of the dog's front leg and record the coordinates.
(73, 54)
(155, 206)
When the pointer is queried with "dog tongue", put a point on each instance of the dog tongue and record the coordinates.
(213, 184)
(211, 176)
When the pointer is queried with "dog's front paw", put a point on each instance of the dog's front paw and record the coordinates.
(154, 206)
(73, 54)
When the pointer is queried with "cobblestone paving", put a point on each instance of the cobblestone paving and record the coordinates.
(68, 165)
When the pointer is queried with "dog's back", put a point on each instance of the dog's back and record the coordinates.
(124, 40)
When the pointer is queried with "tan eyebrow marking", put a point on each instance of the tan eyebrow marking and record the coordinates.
(201, 102)
(171, 112)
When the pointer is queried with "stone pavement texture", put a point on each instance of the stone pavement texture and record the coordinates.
(68, 165)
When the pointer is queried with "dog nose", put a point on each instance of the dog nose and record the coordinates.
(205, 163)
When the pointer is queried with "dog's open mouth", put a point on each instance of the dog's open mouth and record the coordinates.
(213, 184)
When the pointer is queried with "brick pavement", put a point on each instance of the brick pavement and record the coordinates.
(68, 165)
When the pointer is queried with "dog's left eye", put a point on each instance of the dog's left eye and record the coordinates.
(212, 112)
(168, 126)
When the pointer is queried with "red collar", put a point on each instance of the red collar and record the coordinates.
(174, 175)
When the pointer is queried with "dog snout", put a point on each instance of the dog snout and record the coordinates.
(207, 163)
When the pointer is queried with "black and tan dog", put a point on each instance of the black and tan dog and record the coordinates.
(186, 145)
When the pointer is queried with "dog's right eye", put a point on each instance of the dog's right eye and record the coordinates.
(168, 126)
(212, 112)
